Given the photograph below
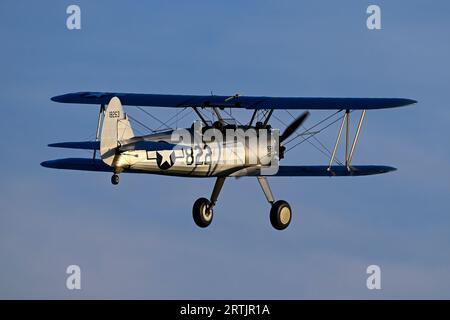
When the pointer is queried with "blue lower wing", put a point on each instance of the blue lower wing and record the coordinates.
(335, 171)
(284, 171)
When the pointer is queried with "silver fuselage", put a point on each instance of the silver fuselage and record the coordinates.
(200, 158)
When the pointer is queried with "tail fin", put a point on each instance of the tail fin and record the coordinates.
(116, 127)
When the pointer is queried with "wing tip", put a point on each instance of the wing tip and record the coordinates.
(409, 102)
(58, 98)
(48, 164)
(386, 169)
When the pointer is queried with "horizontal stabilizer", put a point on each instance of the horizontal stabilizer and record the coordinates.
(84, 145)
(95, 145)
(78, 164)
(147, 146)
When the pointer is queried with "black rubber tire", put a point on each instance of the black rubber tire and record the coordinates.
(115, 179)
(279, 221)
(199, 212)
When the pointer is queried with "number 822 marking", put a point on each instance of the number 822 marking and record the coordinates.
(198, 155)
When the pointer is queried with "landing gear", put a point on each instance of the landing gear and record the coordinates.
(115, 179)
(280, 215)
(280, 212)
(202, 212)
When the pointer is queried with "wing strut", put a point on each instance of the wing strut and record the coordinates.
(269, 114)
(348, 155)
(101, 113)
(253, 117)
(265, 114)
(218, 115)
(200, 115)
(355, 140)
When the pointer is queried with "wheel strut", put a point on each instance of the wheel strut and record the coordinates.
(266, 188)
(216, 190)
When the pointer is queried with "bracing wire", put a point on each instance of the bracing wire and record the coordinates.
(175, 116)
(314, 126)
(310, 142)
(229, 114)
(328, 151)
(153, 117)
(180, 118)
(306, 139)
(141, 124)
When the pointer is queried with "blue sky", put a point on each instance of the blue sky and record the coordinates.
(138, 240)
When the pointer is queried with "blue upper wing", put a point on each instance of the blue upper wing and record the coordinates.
(181, 101)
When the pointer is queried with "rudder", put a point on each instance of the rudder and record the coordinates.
(115, 128)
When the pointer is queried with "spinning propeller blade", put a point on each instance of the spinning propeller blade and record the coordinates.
(293, 126)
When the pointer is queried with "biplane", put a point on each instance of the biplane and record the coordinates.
(205, 150)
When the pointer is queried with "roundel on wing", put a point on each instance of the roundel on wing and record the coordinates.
(165, 159)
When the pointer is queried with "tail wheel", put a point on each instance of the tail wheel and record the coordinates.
(280, 215)
(115, 179)
(202, 212)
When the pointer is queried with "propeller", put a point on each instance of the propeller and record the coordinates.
(293, 126)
